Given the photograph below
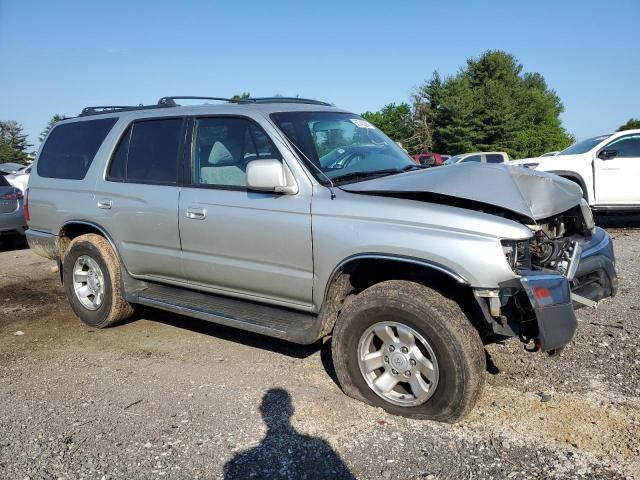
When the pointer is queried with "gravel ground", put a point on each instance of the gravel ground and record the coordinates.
(172, 397)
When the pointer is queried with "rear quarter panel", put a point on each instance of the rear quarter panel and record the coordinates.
(54, 202)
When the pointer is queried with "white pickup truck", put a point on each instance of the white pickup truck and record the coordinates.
(607, 168)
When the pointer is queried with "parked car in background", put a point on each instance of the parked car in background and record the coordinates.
(550, 154)
(606, 167)
(478, 157)
(10, 168)
(296, 219)
(20, 179)
(12, 220)
(428, 159)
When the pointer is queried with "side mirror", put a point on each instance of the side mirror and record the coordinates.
(270, 175)
(607, 154)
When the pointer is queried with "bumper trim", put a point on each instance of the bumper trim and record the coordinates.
(550, 298)
(44, 244)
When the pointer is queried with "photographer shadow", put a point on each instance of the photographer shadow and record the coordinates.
(285, 453)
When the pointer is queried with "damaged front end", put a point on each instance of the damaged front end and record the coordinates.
(568, 263)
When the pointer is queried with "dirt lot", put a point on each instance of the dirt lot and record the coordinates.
(171, 397)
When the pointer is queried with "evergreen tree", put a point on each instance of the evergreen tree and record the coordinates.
(631, 124)
(490, 104)
(13, 143)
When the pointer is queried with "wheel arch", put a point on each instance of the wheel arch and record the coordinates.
(358, 272)
(574, 177)
(74, 228)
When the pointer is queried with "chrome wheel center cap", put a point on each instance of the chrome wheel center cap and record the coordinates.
(399, 361)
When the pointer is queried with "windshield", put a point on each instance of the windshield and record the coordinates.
(452, 160)
(584, 146)
(343, 146)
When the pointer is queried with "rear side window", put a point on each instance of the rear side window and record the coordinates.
(148, 152)
(494, 158)
(4, 182)
(70, 148)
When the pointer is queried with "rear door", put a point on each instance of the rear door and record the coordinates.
(240, 242)
(617, 179)
(137, 199)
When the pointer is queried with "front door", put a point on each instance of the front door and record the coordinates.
(617, 178)
(235, 241)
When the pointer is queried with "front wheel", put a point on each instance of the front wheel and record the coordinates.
(408, 349)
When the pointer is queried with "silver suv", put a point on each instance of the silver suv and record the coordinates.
(299, 220)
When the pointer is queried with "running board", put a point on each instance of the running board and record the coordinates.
(290, 325)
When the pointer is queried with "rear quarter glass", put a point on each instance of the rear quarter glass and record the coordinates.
(71, 148)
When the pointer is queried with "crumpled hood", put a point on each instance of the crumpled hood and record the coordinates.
(529, 193)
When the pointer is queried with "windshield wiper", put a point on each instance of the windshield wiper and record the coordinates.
(375, 173)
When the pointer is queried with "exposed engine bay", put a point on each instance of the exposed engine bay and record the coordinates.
(555, 244)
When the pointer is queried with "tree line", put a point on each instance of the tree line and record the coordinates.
(490, 104)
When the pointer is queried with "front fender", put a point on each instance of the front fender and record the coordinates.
(453, 240)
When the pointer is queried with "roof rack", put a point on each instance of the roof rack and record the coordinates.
(171, 101)
(166, 102)
(308, 101)
(97, 110)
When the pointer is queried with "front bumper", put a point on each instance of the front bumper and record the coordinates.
(550, 294)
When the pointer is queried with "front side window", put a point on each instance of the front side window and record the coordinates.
(626, 147)
(222, 148)
(148, 152)
(472, 158)
(341, 146)
(71, 147)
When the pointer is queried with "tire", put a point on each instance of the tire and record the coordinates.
(441, 330)
(103, 310)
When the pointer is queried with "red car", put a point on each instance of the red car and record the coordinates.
(429, 159)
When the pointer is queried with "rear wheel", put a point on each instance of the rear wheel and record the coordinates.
(91, 273)
(408, 349)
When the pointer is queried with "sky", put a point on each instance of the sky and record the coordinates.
(59, 56)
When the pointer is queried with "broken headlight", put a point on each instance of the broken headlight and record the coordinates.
(517, 253)
(587, 216)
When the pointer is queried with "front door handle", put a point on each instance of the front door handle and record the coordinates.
(105, 204)
(196, 213)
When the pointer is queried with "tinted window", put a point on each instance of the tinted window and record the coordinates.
(148, 152)
(494, 158)
(119, 159)
(4, 182)
(223, 147)
(626, 146)
(472, 158)
(70, 148)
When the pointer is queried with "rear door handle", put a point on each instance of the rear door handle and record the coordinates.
(105, 204)
(196, 213)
